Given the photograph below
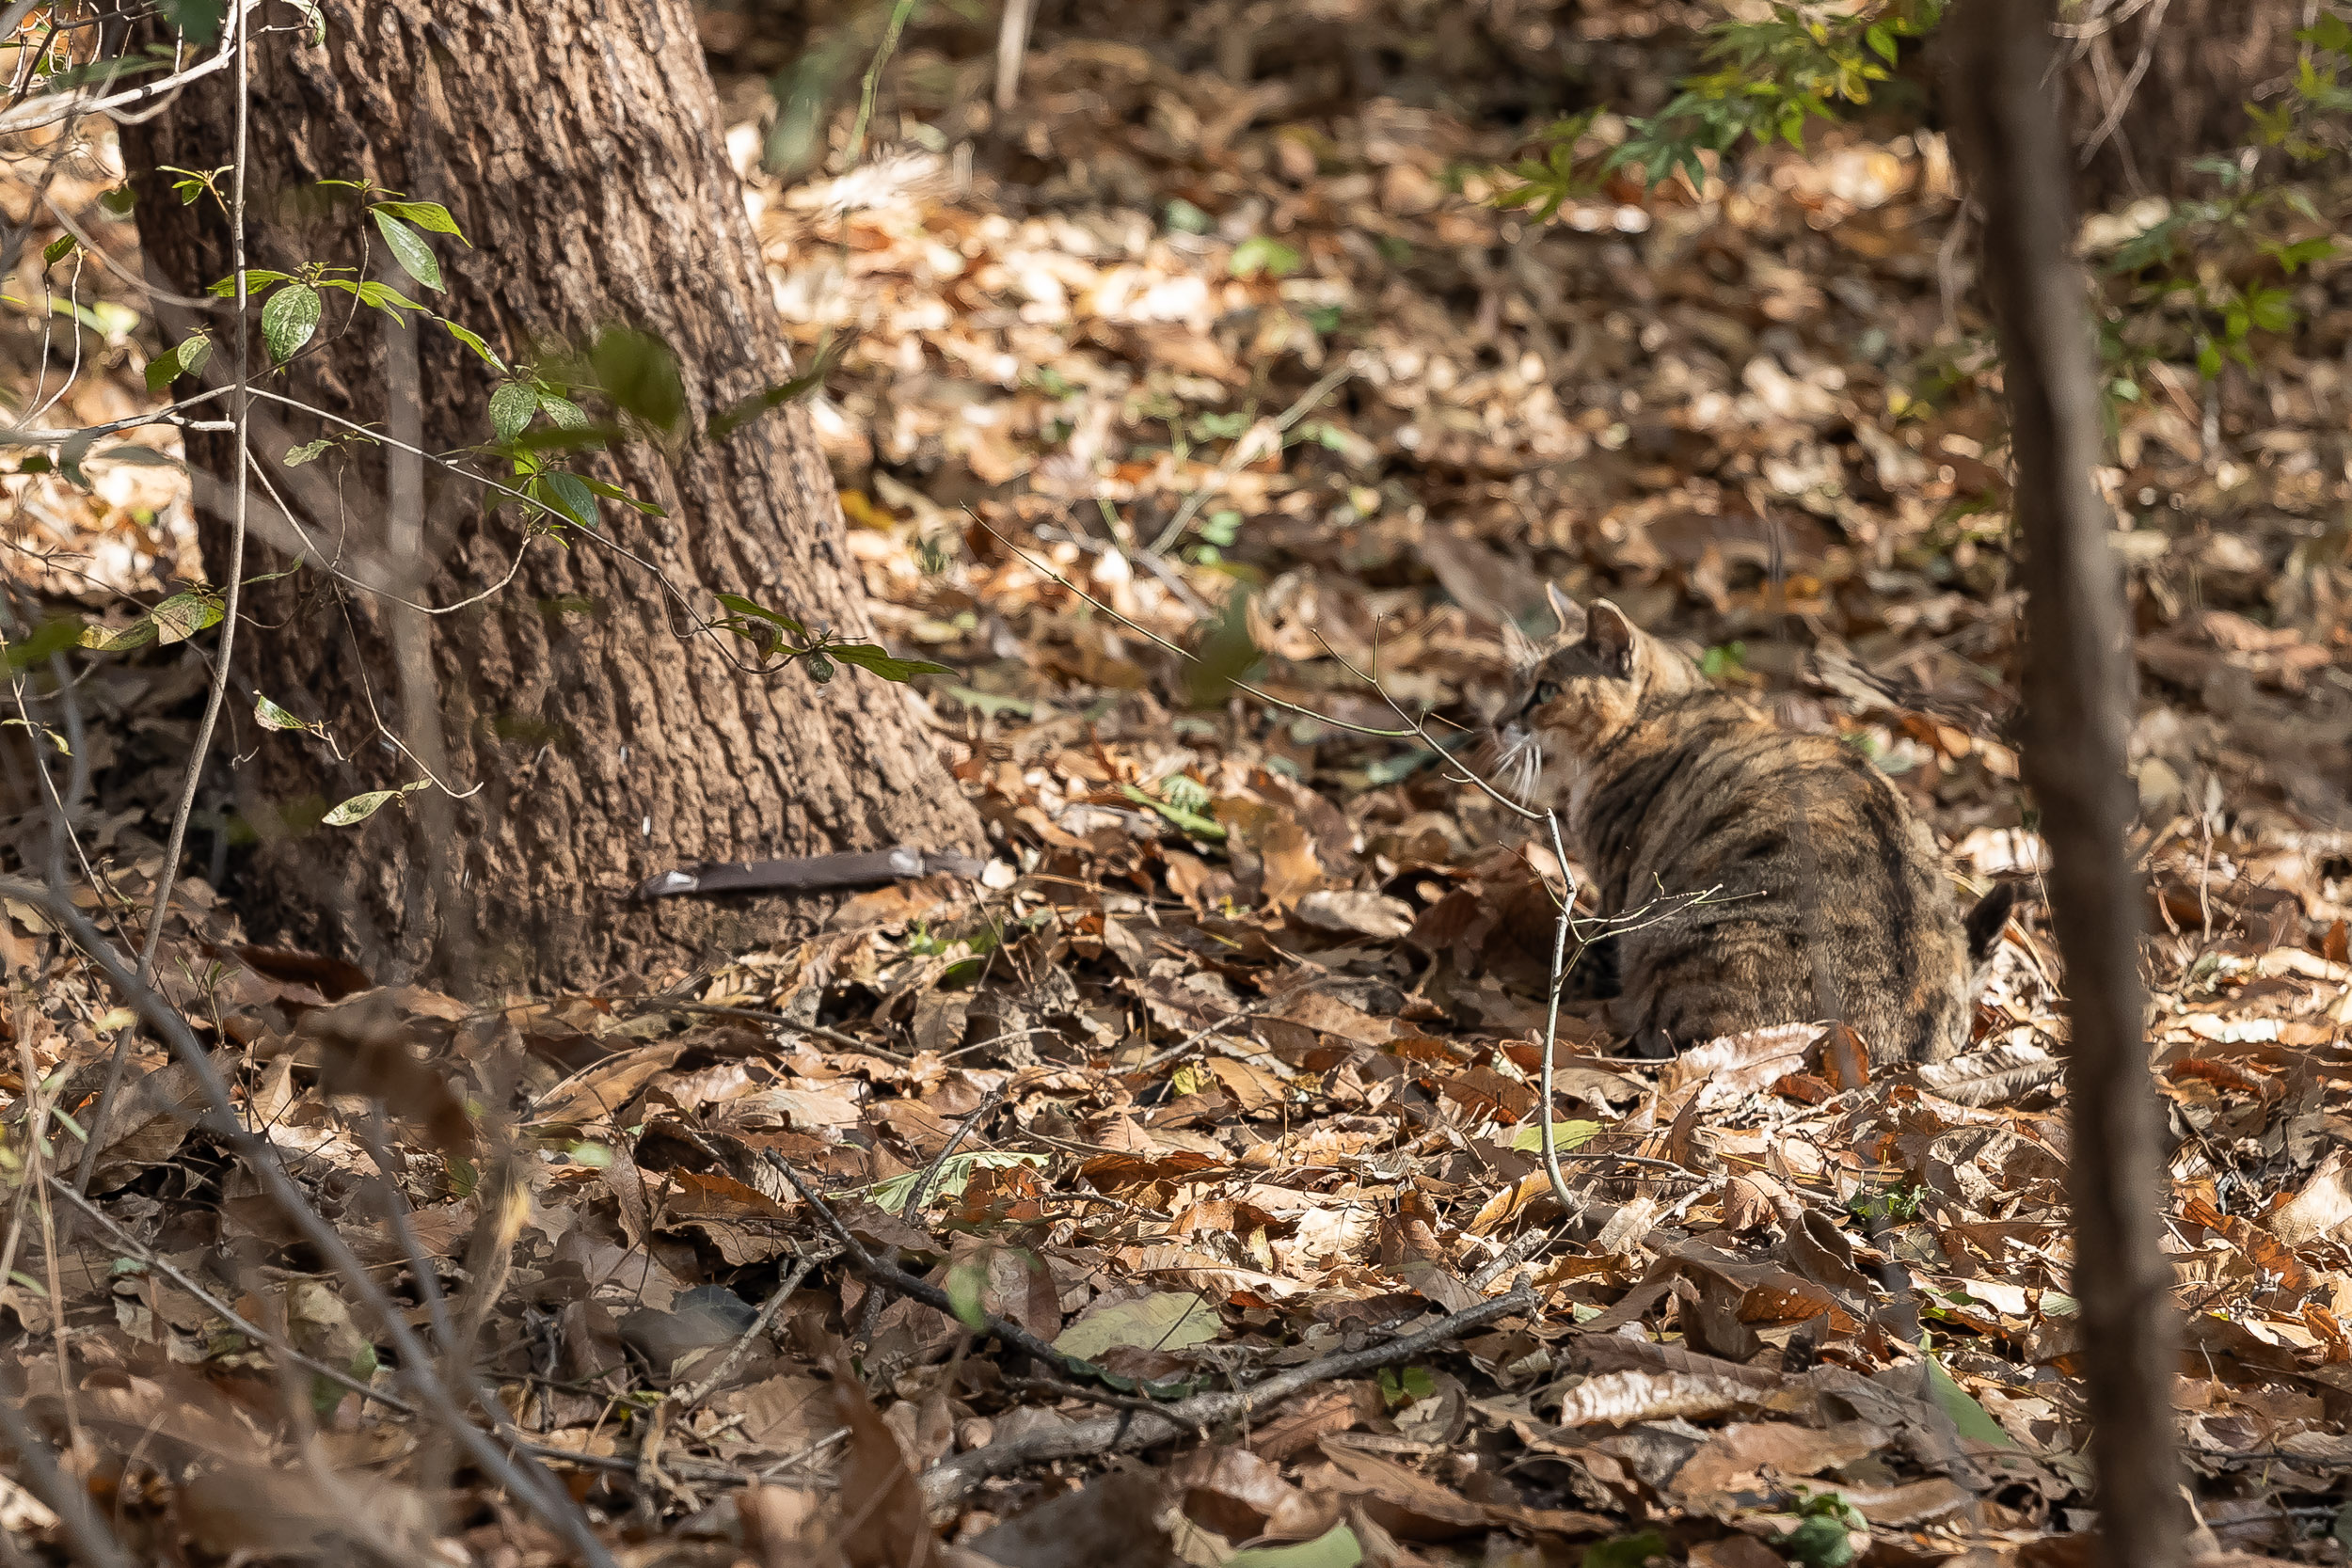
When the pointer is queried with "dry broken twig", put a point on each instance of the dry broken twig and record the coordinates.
(1131, 1429)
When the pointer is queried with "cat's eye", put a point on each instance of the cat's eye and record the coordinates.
(1546, 690)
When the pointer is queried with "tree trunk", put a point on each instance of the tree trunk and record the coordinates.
(577, 143)
(2078, 711)
(2153, 88)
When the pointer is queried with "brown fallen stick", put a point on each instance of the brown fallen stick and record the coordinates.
(1130, 1430)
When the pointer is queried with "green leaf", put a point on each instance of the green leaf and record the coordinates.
(581, 438)
(316, 17)
(1971, 1419)
(289, 319)
(1821, 1542)
(637, 371)
(1168, 1320)
(747, 409)
(46, 733)
(408, 248)
(473, 341)
(1881, 39)
(614, 493)
(49, 637)
(2331, 32)
(1191, 822)
(564, 494)
(819, 667)
(1227, 653)
(69, 455)
(966, 1281)
(1336, 1547)
(138, 634)
(1185, 219)
(273, 577)
(387, 299)
(120, 200)
(270, 717)
(2272, 310)
(511, 408)
(256, 279)
(57, 249)
(955, 1174)
(2209, 360)
(185, 358)
(310, 451)
(360, 807)
(1566, 1135)
(164, 369)
(879, 661)
(742, 605)
(425, 214)
(562, 412)
(197, 20)
(182, 615)
(1401, 1387)
(1626, 1551)
(1262, 254)
(2301, 253)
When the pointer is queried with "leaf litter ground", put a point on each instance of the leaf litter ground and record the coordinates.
(1223, 1069)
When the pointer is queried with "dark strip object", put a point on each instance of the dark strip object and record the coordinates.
(810, 873)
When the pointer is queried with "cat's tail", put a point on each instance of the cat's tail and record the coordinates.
(1983, 926)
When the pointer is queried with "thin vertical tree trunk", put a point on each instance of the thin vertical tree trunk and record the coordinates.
(577, 143)
(2078, 715)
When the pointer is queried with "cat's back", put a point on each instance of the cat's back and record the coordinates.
(1763, 876)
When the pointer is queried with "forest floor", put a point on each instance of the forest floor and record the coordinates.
(1228, 1053)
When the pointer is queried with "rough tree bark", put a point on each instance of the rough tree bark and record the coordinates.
(577, 143)
(2078, 716)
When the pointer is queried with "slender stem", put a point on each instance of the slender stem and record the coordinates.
(768, 1309)
(1551, 1016)
(899, 15)
(240, 405)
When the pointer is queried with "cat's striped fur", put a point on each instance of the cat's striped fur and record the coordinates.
(1753, 875)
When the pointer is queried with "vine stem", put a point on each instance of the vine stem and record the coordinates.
(240, 405)
(899, 15)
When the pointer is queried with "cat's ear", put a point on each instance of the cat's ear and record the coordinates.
(1520, 648)
(1564, 611)
(1608, 633)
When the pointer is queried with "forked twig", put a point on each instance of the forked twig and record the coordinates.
(879, 1273)
(776, 1298)
(931, 1173)
(951, 1478)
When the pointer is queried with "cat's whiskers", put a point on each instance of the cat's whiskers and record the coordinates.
(1519, 765)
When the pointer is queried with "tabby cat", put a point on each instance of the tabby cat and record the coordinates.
(1754, 874)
